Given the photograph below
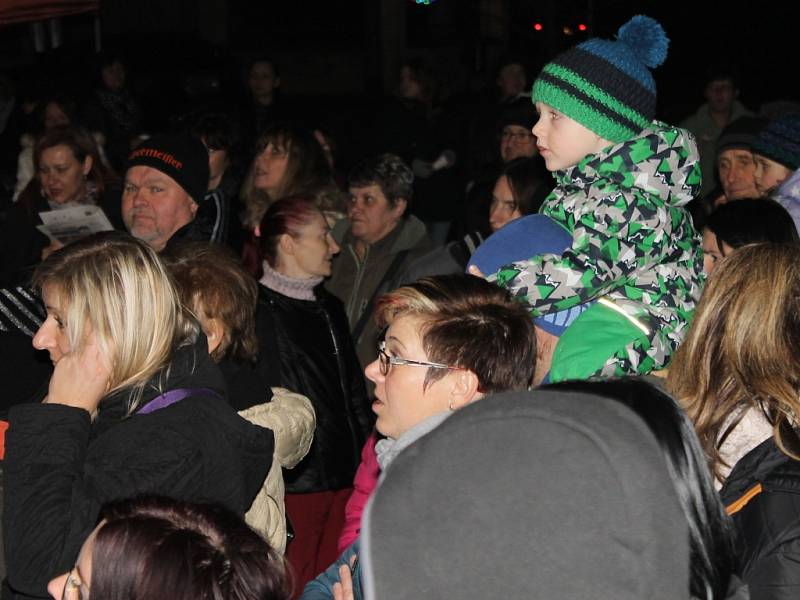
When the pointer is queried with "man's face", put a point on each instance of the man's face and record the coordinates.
(737, 173)
(262, 82)
(154, 206)
(113, 76)
(720, 95)
(516, 141)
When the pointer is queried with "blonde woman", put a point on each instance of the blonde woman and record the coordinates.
(737, 373)
(135, 405)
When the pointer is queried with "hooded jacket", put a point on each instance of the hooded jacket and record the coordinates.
(356, 281)
(61, 467)
(762, 493)
(788, 195)
(632, 240)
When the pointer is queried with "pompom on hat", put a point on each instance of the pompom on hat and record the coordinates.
(606, 85)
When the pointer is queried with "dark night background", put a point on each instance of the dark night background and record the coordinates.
(338, 59)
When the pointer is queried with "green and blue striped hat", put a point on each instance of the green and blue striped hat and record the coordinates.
(606, 85)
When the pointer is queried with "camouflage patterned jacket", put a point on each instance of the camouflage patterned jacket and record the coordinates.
(633, 243)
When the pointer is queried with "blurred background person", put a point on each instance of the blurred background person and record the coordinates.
(69, 173)
(113, 110)
(744, 222)
(721, 107)
(520, 190)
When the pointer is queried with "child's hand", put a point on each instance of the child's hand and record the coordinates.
(80, 380)
(473, 270)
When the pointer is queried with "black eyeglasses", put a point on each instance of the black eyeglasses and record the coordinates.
(387, 361)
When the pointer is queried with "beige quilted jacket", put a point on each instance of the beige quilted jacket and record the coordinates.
(291, 418)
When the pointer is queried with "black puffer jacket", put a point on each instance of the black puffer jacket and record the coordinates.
(60, 467)
(763, 494)
(305, 346)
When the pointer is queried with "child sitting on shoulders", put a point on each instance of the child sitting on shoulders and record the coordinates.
(623, 179)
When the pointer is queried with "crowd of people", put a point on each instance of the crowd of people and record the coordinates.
(554, 360)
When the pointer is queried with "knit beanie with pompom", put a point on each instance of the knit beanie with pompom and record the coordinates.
(606, 85)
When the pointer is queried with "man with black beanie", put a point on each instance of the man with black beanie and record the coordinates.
(166, 180)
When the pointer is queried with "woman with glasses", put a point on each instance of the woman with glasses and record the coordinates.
(449, 340)
(152, 547)
(305, 346)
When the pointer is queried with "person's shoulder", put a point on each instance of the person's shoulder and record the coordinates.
(340, 230)
(413, 237)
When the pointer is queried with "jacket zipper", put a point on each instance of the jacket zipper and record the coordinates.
(352, 316)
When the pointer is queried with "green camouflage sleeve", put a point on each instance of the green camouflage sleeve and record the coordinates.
(613, 237)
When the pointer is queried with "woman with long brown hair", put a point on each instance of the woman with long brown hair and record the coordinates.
(737, 374)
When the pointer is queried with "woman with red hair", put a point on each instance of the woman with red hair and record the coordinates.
(305, 344)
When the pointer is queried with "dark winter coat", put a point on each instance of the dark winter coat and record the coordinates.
(357, 281)
(305, 347)
(762, 493)
(61, 467)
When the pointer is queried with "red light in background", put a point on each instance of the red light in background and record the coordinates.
(537, 26)
(581, 27)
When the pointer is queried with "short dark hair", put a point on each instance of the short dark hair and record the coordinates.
(750, 221)
(722, 71)
(218, 130)
(152, 547)
(469, 323)
(261, 58)
(211, 280)
(510, 58)
(388, 172)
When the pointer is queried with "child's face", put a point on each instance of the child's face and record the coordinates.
(561, 141)
(768, 174)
